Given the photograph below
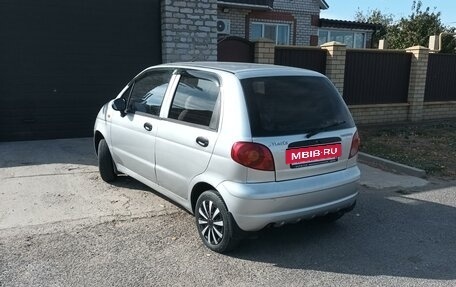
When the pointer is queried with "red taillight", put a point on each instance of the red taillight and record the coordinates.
(356, 142)
(252, 155)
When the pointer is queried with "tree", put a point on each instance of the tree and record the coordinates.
(416, 29)
(376, 17)
(412, 30)
(449, 42)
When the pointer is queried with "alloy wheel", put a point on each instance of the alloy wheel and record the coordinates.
(210, 221)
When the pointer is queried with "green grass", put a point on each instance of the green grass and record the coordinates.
(430, 146)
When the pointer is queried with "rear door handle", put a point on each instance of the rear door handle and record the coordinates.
(148, 127)
(202, 141)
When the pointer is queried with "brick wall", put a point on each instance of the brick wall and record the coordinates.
(264, 52)
(305, 29)
(439, 110)
(386, 113)
(237, 18)
(417, 83)
(312, 6)
(298, 14)
(335, 64)
(302, 11)
(189, 30)
(394, 113)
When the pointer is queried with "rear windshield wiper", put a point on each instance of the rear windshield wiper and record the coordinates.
(313, 132)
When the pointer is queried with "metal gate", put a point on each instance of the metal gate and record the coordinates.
(235, 49)
(61, 60)
(301, 57)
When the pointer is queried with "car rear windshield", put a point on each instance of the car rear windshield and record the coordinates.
(286, 105)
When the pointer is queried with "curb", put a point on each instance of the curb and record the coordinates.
(390, 165)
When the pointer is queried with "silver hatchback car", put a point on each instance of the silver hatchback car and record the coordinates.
(241, 146)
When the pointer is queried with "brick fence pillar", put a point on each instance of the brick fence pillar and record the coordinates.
(417, 83)
(264, 51)
(335, 63)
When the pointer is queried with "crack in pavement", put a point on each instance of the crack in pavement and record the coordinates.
(72, 225)
(48, 174)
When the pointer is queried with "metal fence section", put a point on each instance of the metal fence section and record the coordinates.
(441, 78)
(301, 57)
(376, 77)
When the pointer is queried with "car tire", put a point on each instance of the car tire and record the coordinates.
(105, 162)
(216, 227)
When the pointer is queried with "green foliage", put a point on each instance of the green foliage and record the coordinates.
(409, 31)
(376, 17)
(416, 29)
(449, 42)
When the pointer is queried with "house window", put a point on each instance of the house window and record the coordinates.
(279, 33)
(350, 38)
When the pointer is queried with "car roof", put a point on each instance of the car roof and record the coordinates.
(245, 70)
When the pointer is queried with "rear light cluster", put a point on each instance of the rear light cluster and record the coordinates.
(356, 142)
(253, 155)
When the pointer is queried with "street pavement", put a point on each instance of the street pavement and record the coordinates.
(61, 225)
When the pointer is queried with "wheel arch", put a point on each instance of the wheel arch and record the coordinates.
(98, 136)
(197, 190)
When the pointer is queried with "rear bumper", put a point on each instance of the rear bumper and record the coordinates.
(254, 206)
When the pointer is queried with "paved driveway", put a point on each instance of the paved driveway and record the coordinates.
(61, 225)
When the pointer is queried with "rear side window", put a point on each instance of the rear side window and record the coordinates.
(196, 100)
(289, 105)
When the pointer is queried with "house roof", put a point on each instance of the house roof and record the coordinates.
(332, 23)
(323, 5)
(258, 4)
(247, 4)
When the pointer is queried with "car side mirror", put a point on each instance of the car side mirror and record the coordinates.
(120, 105)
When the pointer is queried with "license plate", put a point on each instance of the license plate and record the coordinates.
(296, 156)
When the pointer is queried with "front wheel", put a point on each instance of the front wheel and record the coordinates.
(105, 162)
(214, 223)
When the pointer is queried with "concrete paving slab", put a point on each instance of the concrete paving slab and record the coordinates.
(57, 181)
(391, 166)
(379, 179)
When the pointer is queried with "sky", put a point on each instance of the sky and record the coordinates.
(346, 9)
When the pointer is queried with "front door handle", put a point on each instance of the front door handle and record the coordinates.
(202, 141)
(148, 127)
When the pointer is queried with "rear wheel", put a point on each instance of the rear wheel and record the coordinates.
(105, 163)
(215, 225)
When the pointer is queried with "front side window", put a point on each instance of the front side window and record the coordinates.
(279, 33)
(148, 92)
(289, 105)
(196, 100)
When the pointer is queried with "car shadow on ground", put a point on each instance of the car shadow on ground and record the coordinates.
(388, 233)
(63, 151)
(125, 181)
